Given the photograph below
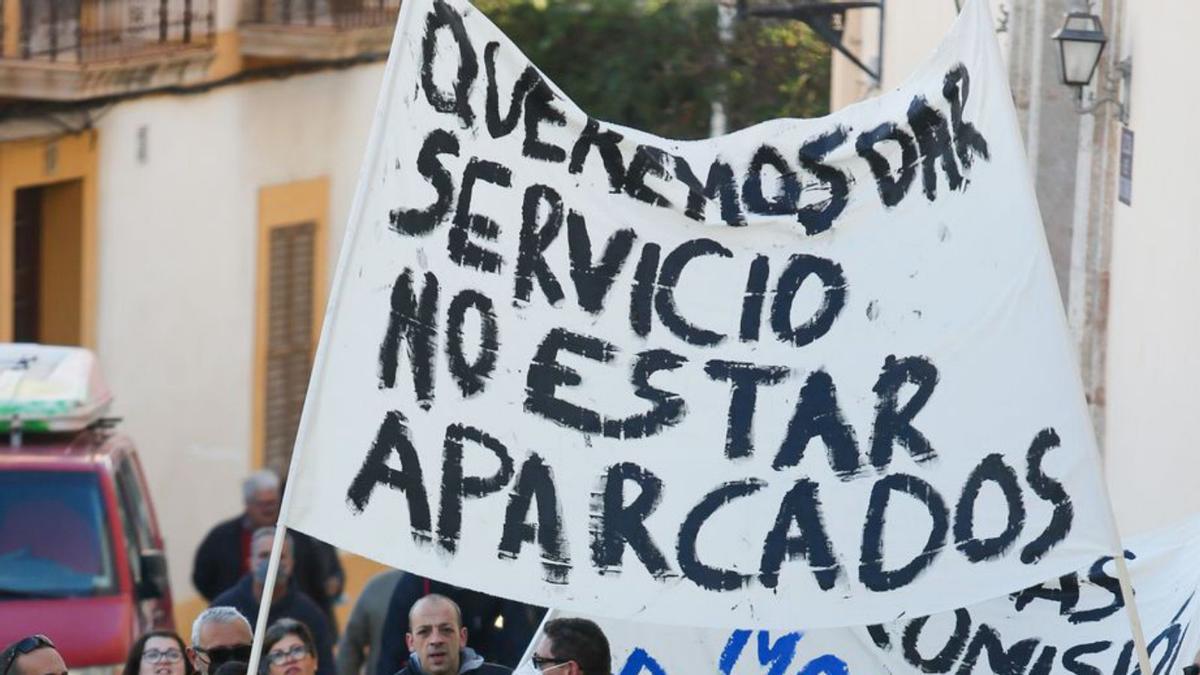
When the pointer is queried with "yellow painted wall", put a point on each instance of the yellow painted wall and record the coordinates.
(42, 162)
(228, 60)
(359, 571)
(10, 39)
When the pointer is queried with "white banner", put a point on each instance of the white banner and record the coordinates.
(1075, 624)
(814, 372)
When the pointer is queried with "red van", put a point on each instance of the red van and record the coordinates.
(81, 554)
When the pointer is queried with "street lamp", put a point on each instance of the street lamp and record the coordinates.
(1080, 43)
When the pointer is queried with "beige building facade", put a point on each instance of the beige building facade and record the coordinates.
(1128, 270)
(175, 178)
(1153, 363)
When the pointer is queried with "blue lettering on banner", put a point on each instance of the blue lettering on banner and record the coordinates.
(641, 662)
(776, 656)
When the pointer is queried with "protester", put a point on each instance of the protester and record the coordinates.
(437, 641)
(159, 652)
(572, 647)
(500, 629)
(32, 655)
(219, 635)
(221, 558)
(363, 634)
(289, 649)
(287, 601)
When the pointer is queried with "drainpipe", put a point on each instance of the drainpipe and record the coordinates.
(726, 15)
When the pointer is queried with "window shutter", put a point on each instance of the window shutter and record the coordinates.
(290, 339)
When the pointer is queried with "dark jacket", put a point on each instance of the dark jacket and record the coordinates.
(293, 605)
(502, 646)
(470, 663)
(220, 563)
(362, 636)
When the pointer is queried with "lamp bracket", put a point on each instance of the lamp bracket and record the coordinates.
(1116, 92)
(1096, 104)
(826, 19)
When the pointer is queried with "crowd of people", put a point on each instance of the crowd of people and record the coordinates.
(222, 639)
(402, 624)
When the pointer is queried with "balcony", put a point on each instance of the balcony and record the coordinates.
(317, 30)
(66, 50)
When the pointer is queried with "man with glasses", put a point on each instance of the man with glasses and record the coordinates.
(219, 635)
(437, 641)
(33, 655)
(572, 647)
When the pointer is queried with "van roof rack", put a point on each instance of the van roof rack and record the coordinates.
(46, 389)
(105, 423)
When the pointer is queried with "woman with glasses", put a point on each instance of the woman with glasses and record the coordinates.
(289, 649)
(159, 652)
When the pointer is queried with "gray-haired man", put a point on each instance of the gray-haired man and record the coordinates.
(219, 635)
(221, 559)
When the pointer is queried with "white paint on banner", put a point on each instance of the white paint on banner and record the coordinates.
(816, 364)
(1074, 624)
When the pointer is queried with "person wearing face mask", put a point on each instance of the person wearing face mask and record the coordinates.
(437, 641)
(220, 560)
(287, 600)
(570, 647)
(158, 652)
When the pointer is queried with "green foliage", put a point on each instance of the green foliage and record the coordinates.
(658, 64)
(776, 69)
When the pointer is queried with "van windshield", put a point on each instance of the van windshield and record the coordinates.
(53, 536)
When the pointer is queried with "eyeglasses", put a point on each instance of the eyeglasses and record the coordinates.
(279, 658)
(162, 656)
(26, 645)
(541, 662)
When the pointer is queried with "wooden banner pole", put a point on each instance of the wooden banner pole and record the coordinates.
(1131, 612)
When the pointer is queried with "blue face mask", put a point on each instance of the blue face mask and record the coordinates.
(260, 572)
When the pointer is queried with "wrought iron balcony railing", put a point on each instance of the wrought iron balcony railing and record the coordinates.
(82, 31)
(329, 14)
